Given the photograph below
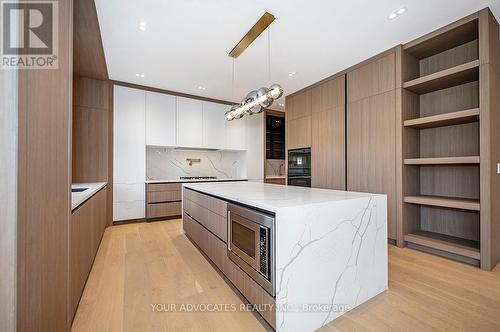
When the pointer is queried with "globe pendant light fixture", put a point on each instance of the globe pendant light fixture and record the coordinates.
(256, 100)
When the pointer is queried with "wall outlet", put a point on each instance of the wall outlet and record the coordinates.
(498, 168)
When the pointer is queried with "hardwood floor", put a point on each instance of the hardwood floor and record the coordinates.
(152, 263)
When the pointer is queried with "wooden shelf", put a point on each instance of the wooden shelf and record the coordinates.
(444, 39)
(446, 119)
(447, 78)
(447, 243)
(447, 202)
(443, 161)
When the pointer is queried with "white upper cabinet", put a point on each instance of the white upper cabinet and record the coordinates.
(236, 134)
(160, 119)
(129, 135)
(214, 125)
(189, 123)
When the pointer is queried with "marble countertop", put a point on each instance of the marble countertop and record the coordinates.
(273, 198)
(192, 181)
(78, 198)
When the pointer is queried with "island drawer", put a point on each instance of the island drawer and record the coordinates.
(214, 222)
(213, 204)
(164, 187)
(158, 210)
(216, 251)
(164, 196)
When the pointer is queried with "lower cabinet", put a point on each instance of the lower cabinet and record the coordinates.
(86, 229)
(216, 250)
(281, 181)
(128, 201)
(163, 200)
(210, 212)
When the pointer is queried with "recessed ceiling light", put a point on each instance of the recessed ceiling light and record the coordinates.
(201, 88)
(142, 26)
(139, 75)
(291, 74)
(396, 13)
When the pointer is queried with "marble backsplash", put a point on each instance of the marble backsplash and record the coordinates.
(275, 167)
(168, 163)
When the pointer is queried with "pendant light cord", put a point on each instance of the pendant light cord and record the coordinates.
(232, 84)
(269, 54)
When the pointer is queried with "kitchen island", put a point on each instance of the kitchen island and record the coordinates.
(327, 249)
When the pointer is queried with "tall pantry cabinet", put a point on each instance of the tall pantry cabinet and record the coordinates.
(371, 131)
(129, 153)
(349, 122)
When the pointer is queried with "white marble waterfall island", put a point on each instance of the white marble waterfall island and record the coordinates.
(330, 247)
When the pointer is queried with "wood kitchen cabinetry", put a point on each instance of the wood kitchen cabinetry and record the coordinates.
(205, 222)
(298, 121)
(328, 135)
(371, 132)
(281, 181)
(163, 200)
(353, 140)
(87, 226)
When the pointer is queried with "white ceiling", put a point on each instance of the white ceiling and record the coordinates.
(187, 41)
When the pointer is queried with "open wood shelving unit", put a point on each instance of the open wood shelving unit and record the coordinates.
(443, 120)
(442, 159)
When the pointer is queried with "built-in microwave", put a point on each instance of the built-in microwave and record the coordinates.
(250, 244)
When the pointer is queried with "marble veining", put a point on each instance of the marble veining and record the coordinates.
(275, 167)
(331, 262)
(330, 248)
(168, 163)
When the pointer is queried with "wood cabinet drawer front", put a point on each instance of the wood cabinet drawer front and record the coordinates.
(214, 248)
(214, 222)
(213, 204)
(216, 251)
(164, 196)
(164, 210)
(164, 187)
(276, 181)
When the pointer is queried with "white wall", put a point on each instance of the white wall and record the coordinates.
(8, 199)
(255, 146)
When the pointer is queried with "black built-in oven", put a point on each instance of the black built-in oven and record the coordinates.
(299, 167)
(251, 243)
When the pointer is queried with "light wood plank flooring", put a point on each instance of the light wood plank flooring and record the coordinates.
(142, 264)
